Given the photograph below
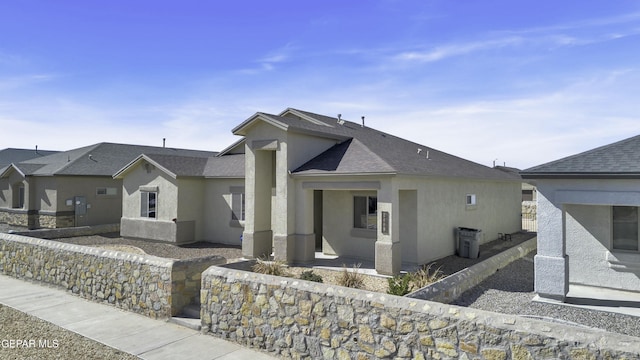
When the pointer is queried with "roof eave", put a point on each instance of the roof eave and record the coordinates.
(390, 173)
(122, 172)
(581, 175)
(241, 129)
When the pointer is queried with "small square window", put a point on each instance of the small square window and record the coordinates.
(106, 191)
(471, 199)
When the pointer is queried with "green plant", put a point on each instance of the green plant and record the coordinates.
(267, 267)
(310, 276)
(351, 278)
(399, 285)
(425, 276)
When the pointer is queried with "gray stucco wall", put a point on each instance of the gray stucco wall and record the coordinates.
(586, 227)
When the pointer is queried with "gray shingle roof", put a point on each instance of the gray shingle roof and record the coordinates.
(102, 159)
(230, 166)
(366, 150)
(620, 159)
(12, 155)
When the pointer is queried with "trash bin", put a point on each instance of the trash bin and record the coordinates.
(469, 242)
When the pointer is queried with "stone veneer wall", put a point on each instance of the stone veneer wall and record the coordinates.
(143, 284)
(451, 287)
(298, 319)
(17, 217)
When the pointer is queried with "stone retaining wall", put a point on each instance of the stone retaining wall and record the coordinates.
(451, 287)
(293, 318)
(143, 284)
(70, 231)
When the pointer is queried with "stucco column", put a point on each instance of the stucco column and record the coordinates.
(284, 213)
(305, 240)
(551, 262)
(257, 235)
(388, 258)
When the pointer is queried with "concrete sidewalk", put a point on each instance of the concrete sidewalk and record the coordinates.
(125, 331)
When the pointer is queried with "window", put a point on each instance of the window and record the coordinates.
(18, 201)
(106, 191)
(148, 206)
(527, 195)
(625, 228)
(365, 212)
(237, 206)
(471, 199)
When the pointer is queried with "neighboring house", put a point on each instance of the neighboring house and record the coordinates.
(589, 220)
(71, 188)
(10, 155)
(320, 183)
(182, 199)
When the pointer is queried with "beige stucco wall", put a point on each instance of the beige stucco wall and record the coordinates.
(337, 226)
(102, 209)
(428, 209)
(6, 193)
(218, 226)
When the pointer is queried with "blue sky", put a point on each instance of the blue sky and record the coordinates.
(518, 82)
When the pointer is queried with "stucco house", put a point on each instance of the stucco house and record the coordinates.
(71, 188)
(182, 199)
(318, 182)
(588, 220)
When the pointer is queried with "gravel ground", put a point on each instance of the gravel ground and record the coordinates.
(49, 341)
(510, 291)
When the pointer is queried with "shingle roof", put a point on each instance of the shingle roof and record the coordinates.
(102, 159)
(12, 155)
(620, 159)
(366, 150)
(229, 166)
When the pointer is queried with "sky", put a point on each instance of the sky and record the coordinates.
(515, 83)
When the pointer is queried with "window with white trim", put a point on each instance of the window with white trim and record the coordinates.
(471, 199)
(365, 212)
(624, 228)
(237, 206)
(148, 204)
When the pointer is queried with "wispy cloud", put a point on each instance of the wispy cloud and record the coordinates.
(449, 50)
(21, 81)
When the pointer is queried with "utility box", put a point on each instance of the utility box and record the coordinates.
(469, 242)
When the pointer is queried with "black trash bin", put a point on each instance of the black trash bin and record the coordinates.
(469, 242)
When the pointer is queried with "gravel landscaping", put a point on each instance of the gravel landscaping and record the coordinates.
(40, 339)
(510, 291)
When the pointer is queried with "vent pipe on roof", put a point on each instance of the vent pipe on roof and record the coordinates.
(164, 141)
(339, 117)
(37, 149)
(362, 121)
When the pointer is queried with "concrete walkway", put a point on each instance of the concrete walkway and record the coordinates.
(125, 331)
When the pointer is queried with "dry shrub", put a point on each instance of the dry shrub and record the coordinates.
(351, 278)
(425, 276)
(276, 268)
